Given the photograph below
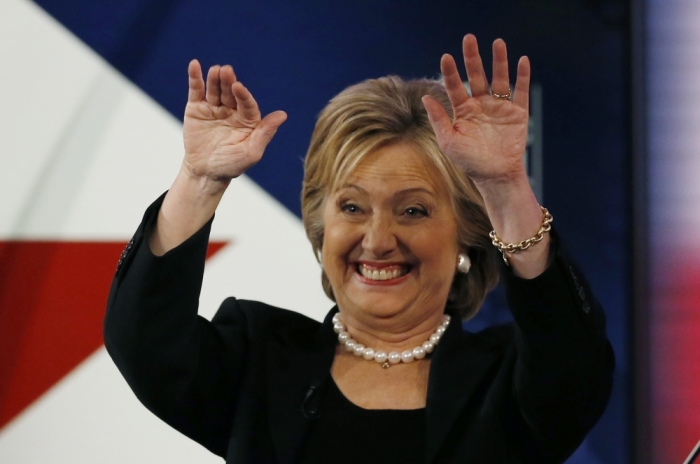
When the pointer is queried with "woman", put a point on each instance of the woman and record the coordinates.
(399, 196)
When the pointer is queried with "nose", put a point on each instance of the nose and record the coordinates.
(379, 238)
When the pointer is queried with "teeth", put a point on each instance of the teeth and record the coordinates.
(384, 274)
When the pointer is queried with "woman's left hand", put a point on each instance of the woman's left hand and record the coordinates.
(487, 140)
(488, 136)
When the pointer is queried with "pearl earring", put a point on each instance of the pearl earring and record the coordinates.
(463, 263)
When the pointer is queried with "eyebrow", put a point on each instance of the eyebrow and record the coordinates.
(399, 193)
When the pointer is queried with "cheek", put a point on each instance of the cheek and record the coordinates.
(339, 240)
(437, 248)
(436, 241)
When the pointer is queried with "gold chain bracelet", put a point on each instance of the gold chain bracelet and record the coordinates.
(525, 244)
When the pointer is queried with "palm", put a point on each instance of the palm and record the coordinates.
(488, 140)
(217, 141)
(224, 134)
(487, 136)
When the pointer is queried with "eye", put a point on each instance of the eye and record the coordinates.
(416, 211)
(350, 208)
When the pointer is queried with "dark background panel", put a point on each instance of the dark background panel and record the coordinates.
(296, 55)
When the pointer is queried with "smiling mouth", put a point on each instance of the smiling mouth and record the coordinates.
(383, 273)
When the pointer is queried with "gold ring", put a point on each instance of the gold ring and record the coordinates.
(505, 96)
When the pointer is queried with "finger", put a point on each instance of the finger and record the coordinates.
(214, 85)
(196, 83)
(453, 81)
(478, 83)
(246, 104)
(439, 120)
(500, 83)
(228, 77)
(521, 96)
(263, 133)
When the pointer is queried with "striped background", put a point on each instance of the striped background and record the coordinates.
(92, 94)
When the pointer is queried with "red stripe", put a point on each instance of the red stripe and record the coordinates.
(52, 303)
(675, 332)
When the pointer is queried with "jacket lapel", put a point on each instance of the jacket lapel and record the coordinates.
(291, 374)
(459, 365)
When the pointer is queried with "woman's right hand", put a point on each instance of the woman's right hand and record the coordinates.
(224, 134)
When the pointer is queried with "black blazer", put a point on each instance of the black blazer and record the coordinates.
(240, 385)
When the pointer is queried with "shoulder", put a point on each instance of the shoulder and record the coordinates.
(493, 338)
(262, 320)
(490, 341)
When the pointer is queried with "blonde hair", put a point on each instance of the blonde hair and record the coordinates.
(380, 112)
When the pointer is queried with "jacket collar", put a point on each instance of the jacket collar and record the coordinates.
(459, 365)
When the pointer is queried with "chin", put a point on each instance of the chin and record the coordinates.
(379, 303)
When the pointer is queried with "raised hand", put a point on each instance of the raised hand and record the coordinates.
(224, 135)
(488, 135)
(487, 139)
(223, 131)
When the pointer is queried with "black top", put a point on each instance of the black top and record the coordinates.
(347, 433)
(522, 393)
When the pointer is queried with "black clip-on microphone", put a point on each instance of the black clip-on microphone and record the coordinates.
(311, 406)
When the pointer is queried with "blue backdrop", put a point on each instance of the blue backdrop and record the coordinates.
(296, 55)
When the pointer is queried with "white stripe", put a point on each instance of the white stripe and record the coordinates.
(84, 152)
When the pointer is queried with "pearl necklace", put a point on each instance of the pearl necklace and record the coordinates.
(382, 357)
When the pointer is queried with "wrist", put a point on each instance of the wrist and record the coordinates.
(201, 184)
(189, 204)
(516, 215)
(502, 190)
(512, 207)
(194, 196)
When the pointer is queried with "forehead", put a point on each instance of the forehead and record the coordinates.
(400, 165)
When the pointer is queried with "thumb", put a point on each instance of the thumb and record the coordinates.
(439, 120)
(266, 129)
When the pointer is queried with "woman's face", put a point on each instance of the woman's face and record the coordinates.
(390, 241)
